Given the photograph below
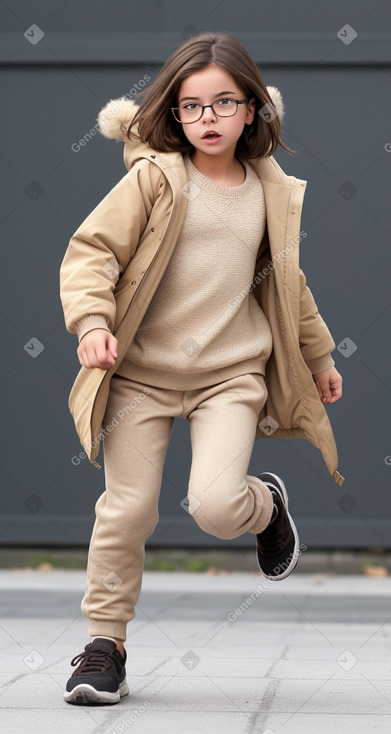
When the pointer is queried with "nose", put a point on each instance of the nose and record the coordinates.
(208, 113)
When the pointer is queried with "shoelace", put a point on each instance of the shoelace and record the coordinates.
(95, 661)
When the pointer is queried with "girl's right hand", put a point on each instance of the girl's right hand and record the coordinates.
(97, 348)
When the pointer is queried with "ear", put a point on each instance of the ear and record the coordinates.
(250, 111)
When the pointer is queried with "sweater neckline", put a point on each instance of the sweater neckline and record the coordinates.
(227, 191)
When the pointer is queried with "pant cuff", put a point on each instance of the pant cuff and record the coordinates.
(265, 502)
(97, 627)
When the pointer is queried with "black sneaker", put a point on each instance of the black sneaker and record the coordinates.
(278, 545)
(101, 675)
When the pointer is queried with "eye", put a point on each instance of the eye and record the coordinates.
(225, 102)
(190, 106)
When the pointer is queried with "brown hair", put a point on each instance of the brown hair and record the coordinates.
(156, 124)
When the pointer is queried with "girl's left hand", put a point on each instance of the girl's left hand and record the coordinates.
(329, 384)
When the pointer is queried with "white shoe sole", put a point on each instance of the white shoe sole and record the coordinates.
(296, 550)
(85, 694)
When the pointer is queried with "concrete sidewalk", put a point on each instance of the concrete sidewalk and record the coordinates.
(309, 654)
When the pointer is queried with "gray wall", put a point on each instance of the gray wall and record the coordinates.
(337, 97)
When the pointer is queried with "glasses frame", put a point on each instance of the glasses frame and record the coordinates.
(204, 106)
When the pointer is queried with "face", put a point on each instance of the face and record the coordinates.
(205, 87)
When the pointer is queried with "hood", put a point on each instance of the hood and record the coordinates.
(114, 119)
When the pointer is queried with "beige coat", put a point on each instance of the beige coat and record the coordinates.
(138, 223)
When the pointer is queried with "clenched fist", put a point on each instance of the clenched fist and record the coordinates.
(97, 348)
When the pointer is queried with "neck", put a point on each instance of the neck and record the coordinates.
(224, 168)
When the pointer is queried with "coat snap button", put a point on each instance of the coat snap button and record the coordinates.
(133, 282)
(152, 229)
(153, 156)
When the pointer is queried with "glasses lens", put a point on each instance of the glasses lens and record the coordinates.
(189, 113)
(224, 107)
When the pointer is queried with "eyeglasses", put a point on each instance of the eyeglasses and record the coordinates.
(191, 112)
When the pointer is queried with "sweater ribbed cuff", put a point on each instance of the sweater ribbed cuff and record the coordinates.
(98, 627)
(320, 364)
(87, 323)
(262, 491)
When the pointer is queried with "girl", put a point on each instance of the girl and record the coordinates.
(184, 288)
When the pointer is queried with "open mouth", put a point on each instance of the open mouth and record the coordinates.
(210, 136)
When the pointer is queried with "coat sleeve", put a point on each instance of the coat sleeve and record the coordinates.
(104, 244)
(314, 336)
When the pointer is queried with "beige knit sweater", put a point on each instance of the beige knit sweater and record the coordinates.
(202, 325)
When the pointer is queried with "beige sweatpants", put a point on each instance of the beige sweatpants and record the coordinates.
(222, 498)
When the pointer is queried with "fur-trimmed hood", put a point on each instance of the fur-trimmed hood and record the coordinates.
(117, 114)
